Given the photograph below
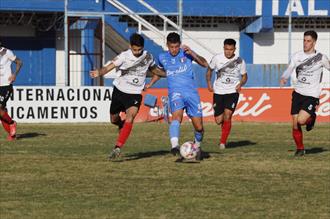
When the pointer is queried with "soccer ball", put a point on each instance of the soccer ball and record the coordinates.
(188, 150)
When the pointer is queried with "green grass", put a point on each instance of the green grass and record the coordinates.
(61, 171)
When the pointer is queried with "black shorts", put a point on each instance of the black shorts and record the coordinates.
(301, 102)
(121, 101)
(5, 93)
(224, 101)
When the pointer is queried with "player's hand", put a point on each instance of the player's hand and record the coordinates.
(210, 88)
(12, 78)
(283, 82)
(94, 73)
(187, 49)
(238, 87)
(146, 87)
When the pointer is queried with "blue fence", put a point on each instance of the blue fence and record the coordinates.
(39, 59)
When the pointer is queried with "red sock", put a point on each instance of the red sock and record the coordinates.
(124, 133)
(298, 138)
(6, 118)
(226, 126)
(5, 126)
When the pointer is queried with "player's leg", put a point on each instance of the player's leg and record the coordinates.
(176, 106)
(174, 131)
(230, 102)
(297, 133)
(218, 108)
(194, 111)
(131, 113)
(7, 122)
(307, 115)
(131, 103)
(116, 107)
(116, 120)
(199, 134)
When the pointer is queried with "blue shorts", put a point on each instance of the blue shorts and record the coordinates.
(189, 101)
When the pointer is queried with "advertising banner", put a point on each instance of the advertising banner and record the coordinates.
(92, 104)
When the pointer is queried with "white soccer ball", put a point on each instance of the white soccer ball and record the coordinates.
(188, 150)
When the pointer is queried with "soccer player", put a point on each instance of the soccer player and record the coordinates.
(182, 89)
(132, 65)
(231, 75)
(308, 67)
(7, 78)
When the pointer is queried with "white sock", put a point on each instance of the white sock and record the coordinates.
(174, 142)
(197, 143)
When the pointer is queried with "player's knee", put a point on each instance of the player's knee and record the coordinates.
(114, 119)
(301, 121)
(218, 121)
(227, 116)
(200, 130)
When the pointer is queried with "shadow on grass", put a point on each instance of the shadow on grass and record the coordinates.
(29, 135)
(240, 144)
(205, 156)
(141, 155)
(315, 150)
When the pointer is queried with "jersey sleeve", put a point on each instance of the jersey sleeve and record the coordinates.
(189, 57)
(243, 68)
(212, 63)
(10, 55)
(152, 63)
(287, 73)
(118, 60)
(326, 62)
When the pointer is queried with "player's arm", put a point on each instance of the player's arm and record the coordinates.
(208, 79)
(158, 71)
(287, 73)
(19, 65)
(244, 77)
(326, 62)
(102, 71)
(153, 80)
(197, 58)
(156, 74)
(242, 82)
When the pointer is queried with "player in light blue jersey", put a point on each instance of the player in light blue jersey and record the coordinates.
(182, 89)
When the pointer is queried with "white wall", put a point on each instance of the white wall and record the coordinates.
(212, 39)
(276, 45)
(272, 48)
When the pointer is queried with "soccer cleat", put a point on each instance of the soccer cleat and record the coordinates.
(199, 155)
(175, 151)
(300, 152)
(11, 138)
(310, 125)
(222, 146)
(12, 129)
(115, 153)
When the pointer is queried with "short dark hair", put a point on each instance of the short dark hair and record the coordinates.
(311, 33)
(229, 41)
(173, 38)
(136, 40)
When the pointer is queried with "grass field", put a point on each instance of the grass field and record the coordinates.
(61, 171)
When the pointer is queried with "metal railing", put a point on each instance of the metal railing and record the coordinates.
(141, 21)
(174, 25)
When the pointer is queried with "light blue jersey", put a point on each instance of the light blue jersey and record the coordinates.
(178, 70)
(182, 88)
